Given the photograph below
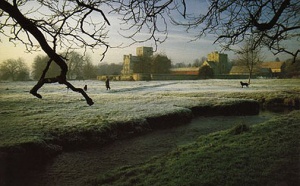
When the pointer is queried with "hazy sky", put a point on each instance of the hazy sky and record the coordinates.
(177, 47)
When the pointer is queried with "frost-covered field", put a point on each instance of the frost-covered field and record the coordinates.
(25, 118)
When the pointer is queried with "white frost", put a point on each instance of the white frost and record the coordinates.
(126, 101)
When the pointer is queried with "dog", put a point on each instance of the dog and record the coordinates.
(244, 84)
(85, 88)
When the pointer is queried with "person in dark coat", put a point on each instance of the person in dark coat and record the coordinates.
(107, 83)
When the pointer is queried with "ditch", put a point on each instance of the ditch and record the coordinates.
(73, 168)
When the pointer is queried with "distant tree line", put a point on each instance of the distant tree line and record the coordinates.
(14, 70)
(80, 67)
(292, 69)
(109, 69)
(196, 63)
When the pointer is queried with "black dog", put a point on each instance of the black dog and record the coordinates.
(244, 84)
(85, 88)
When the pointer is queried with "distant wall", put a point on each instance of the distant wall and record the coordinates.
(227, 76)
(173, 77)
(112, 77)
(156, 77)
(141, 77)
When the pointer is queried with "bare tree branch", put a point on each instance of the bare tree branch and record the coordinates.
(231, 21)
(65, 24)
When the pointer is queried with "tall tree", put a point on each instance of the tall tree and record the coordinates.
(75, 62)
(160, 64)
(206, 72)
(143, 64)
(109, 69)
(89, 71)
(14, 69)
(292, 70)
(197, 63)
(249, 57)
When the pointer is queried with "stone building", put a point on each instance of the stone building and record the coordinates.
(218, 62)
(130, 60)
(144, 51)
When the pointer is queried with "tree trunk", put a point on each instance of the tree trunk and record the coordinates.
(250, 75)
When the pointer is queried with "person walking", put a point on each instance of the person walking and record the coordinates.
(107, 83)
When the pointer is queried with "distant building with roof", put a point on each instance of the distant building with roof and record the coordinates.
(130, 60)
(243, 70)
(277, 68)
(239, 70)
(265, 69)
(218, 62)
(185, 71)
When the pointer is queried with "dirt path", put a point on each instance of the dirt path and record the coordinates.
(72, 168)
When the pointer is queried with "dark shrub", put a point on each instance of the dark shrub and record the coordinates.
(240, 128)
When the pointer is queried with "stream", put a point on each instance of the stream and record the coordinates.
(72, 168)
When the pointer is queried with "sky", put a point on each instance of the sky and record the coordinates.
(178, 47)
